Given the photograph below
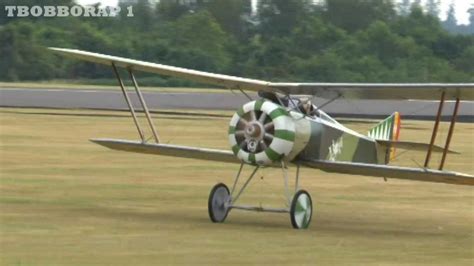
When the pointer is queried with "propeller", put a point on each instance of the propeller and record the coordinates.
(254, 131)
(261, 132)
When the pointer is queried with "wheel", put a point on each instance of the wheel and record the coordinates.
(301, 210)
(216, 204)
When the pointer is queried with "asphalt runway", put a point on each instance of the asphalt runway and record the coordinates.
(113, 100)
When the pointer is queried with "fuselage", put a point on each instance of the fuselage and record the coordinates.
(321, 137)
(326, 139)
(264, 131)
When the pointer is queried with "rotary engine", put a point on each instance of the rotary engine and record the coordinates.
(262, 132)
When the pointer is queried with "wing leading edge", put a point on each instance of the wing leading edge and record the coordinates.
(432, 91)
(193, 75)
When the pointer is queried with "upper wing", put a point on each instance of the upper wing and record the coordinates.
(324, 90)
(193, 75)
(169, 150)
(392, 172)
(403, 91)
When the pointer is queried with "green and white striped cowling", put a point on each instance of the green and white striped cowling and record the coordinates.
(276, 139)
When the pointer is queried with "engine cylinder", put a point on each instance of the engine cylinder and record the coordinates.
(261, 132)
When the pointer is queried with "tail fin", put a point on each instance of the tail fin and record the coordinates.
(388, 129)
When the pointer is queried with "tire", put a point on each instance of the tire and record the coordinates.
(301, 210)
(216, 203)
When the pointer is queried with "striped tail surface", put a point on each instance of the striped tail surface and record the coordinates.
(388, 129)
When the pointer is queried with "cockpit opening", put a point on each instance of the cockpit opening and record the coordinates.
(301, 104)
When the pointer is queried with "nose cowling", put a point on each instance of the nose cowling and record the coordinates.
(261, 132)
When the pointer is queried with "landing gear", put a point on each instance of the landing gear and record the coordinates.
(301, 210)
(217, 204)
(299, 206)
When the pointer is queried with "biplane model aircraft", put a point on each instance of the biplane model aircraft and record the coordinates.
(279, 129)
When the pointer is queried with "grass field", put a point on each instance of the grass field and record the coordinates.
(66, 201)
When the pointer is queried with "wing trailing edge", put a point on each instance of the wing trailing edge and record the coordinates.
(386, 171)
(408, 145)
(169, 150)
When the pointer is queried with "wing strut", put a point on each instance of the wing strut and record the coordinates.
(450, 133)
(143, 103)
(435, 129)
(130, 105)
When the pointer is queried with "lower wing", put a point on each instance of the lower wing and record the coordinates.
(386, 171)
(328, 166)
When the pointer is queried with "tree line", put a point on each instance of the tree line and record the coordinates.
(285, 40)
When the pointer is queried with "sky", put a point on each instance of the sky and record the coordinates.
(461, 7)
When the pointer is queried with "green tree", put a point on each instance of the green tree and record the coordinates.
(465, 62)
(416, 4)
(424, 29)
(229, 14)
(314, 35)
(279, 17)
(199, 42)
(404, 7)
(471, 19)
(171, 9)
(143, 15)
(22, 57)
(451, 22)
(288, 40)
(354, 15)
(432, 7)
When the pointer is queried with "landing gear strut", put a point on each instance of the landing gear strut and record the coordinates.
(299, 206)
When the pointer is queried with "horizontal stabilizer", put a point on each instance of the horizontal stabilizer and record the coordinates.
(379, 170)
(169, 150)
(415, 146)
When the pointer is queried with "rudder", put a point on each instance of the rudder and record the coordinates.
(388, 129)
